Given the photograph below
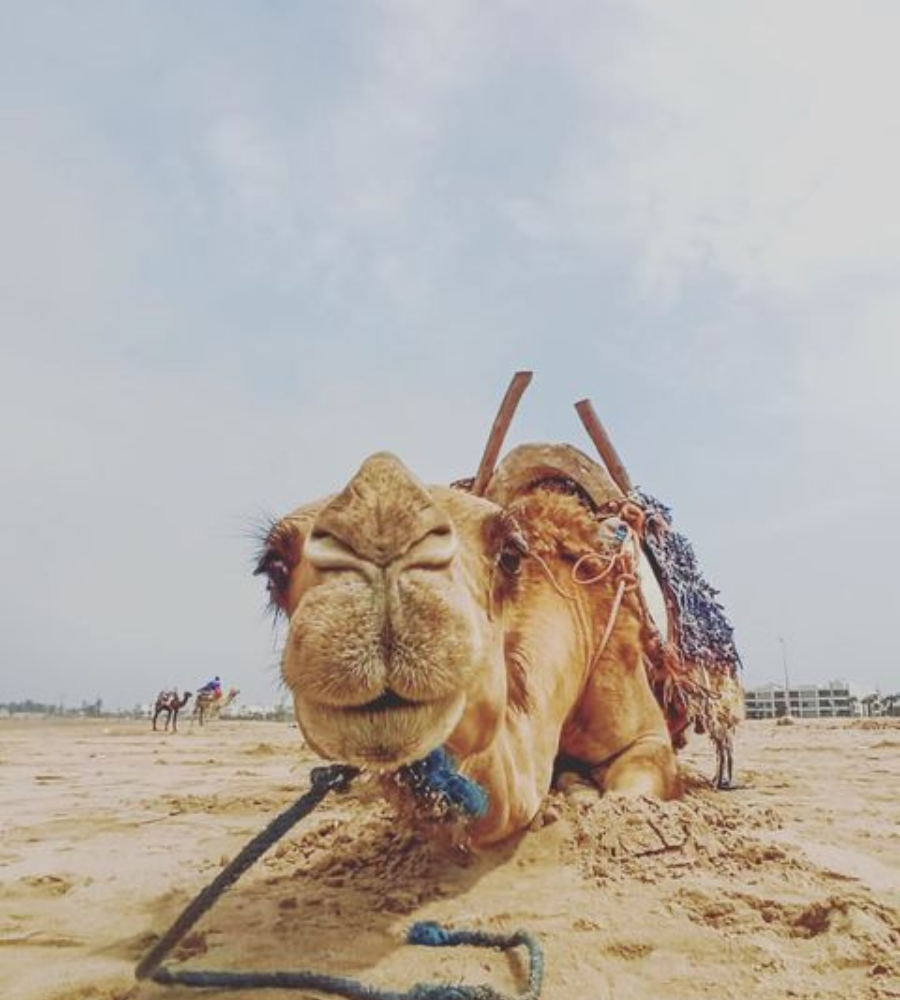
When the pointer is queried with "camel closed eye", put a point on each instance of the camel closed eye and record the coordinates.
(327, 552)
(435, 551)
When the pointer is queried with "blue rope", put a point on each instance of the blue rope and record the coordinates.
(434, 935)
(426, 933)
(434, 778)
(324, 780)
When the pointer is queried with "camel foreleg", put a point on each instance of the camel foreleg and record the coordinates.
(724, 744)
(647, 767)
(515, 771)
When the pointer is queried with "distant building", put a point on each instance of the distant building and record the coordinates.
(807, 701)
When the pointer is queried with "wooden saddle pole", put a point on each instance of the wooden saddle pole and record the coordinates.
(517, 387)
(603, 444)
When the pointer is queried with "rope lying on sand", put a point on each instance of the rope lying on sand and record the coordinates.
(436, 779)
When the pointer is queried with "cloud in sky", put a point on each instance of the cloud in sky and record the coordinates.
(757, 142)
(242, 248)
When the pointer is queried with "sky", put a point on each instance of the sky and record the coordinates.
(245, 245)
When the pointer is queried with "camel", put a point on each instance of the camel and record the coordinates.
(508, 629)
(207, 707)
(719, 717)
(171, 704)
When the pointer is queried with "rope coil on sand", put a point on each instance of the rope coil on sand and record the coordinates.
(434, 778)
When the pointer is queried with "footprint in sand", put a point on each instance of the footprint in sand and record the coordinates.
(48, 885)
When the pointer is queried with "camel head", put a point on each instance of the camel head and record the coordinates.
(390, 590)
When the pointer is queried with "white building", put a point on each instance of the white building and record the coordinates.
(807, 701)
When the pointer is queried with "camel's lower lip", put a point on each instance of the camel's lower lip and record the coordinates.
(389, 701)
(387, 731)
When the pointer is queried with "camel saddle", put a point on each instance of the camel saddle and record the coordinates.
(564, 468)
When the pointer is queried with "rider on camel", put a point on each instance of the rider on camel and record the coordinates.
(213, 687)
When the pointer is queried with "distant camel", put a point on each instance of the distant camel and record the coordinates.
(171, 704)
(207, 707)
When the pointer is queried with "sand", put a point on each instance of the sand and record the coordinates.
(789, 887)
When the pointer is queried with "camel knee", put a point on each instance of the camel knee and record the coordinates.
(504, 819)
(646, 768)
(514, 794)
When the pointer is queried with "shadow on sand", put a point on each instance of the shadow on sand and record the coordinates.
(337, 897)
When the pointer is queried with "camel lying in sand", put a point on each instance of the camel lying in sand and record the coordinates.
(510, 633)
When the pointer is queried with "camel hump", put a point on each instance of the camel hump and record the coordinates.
(532, 466)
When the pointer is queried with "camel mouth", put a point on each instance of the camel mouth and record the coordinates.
(386, 702)
(383, 733)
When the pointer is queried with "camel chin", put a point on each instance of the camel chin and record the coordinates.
(380, 738)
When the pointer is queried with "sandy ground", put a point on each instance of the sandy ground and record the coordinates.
(789, 887)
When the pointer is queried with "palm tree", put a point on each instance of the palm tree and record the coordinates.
(872, 704)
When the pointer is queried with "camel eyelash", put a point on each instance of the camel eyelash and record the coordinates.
(275, 568)
(512, 535)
